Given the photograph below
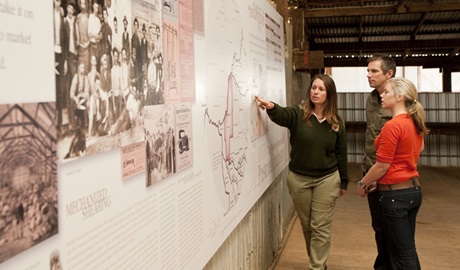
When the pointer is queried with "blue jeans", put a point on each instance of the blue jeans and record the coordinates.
(385, 259)
(399, 210)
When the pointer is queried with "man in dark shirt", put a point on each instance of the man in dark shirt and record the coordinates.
(380, 68)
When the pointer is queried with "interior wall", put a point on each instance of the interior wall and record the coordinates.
(259, 237)
(137, 218)
(442, 144)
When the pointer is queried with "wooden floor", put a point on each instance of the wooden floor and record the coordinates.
(353, 247)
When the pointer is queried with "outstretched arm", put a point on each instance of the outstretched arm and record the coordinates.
(263, 104)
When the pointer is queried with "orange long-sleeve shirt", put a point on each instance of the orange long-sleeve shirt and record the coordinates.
(400, 145)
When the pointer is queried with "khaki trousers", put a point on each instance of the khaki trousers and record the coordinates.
(314, 200)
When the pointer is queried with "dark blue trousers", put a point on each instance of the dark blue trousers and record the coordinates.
(399, 210)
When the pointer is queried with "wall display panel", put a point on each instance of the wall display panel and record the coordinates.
(159, 148)
(28, 168)
(27, 64)
(164, 125)
(171, 73)
(186, 57)
(104, 84)
(28, 176)
(240, 55)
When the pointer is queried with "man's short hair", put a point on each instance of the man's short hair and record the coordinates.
(387, 62)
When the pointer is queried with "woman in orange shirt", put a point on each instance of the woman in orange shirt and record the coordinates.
(395, 174)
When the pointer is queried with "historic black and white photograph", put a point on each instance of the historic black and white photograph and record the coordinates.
(108, 67)
(28, 176)
(161, 138)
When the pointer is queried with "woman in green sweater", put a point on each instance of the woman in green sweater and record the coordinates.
(318, 172)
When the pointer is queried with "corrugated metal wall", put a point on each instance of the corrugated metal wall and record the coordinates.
(258, 238)
(440, 149)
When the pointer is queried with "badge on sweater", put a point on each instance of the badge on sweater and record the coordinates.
(335, 127)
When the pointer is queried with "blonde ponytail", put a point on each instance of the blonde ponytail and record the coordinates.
(415, 110)
(417, 113)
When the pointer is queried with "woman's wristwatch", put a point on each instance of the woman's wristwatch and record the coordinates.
(361, 184)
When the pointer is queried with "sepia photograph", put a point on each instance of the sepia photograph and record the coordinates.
(28, 177)
(160, 143)
(108, 66)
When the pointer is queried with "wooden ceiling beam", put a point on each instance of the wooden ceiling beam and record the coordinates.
(415, 7)
(348, 11)
(402, 45)
(419, 25)
(425, 62)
